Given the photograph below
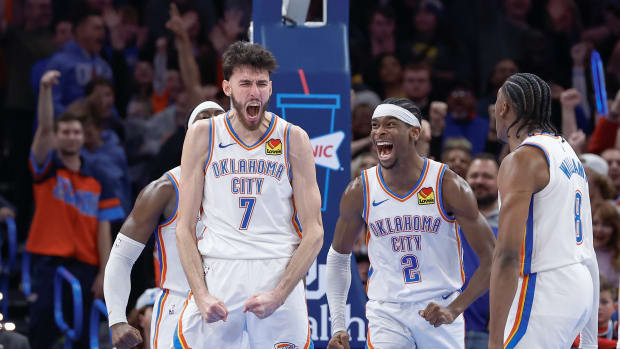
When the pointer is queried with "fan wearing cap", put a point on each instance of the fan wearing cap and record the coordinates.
(411, 208)
(158, 199)
(140, 317)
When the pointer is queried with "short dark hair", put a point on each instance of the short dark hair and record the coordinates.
(95, 120)
(244, 53)
(419, 67)
(486, 156)
(406, 104)
(66, 117)
(531, 98)
(605, 285)
(97, 81)
(386, 11)
(82, 15)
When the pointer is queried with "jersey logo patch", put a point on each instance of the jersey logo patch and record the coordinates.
(273, 147)
(284, 345)
(426, 196)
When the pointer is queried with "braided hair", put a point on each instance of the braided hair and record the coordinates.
(531, 98)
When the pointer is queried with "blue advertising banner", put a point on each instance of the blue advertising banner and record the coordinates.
(311, 88)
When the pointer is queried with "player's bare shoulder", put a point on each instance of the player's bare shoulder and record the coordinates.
(525, 162)
(352, 200)
(160, 192)
(457, 195)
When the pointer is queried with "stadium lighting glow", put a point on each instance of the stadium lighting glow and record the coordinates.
(9, 326)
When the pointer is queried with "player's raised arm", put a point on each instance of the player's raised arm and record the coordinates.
(516, 193)
(461, 202)
(308, 204)
(128, 246)
(195, 151)
(338, 270)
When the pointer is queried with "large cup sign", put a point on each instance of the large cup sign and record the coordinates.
(314, 111)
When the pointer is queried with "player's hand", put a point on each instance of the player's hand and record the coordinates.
(340, 340)
(264, 304)
(570, 98)
(437, 315)
(124, 336)
(211, 308)
(50, 78)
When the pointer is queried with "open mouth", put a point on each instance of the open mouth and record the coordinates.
(252, 109)
(384, 149)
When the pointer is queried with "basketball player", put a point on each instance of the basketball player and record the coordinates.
(411, 207)
(255, 176)
(544, 278)
(159, 198)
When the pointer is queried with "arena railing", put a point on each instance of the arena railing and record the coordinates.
(7, 265)
(71, 334)
(99, 309)
(26, 284)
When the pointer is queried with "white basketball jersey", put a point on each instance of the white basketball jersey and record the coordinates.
(247, 204)
(171, 271)
(558, 230)
(413, 245)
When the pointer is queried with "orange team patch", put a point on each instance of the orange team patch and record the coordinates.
(273, 147)
(426, 196)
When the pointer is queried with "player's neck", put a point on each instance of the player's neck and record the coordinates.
(405, 173)
(246, 134)
(514, 140)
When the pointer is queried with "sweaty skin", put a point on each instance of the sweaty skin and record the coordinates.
(250, 86)
(457, 197)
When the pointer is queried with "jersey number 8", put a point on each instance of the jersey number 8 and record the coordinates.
(578, 227)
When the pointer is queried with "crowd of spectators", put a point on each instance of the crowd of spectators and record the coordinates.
(131, 71)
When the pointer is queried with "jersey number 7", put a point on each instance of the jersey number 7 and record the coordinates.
(248, 204)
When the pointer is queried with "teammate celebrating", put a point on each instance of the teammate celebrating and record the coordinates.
(159, 198)
(411, 207)
(255, 176)
(545, 279)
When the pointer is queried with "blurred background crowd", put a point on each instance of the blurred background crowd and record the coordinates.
(132, 71)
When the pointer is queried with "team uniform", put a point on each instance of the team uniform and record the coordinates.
(251, 233)
(553, 299)
(174, 285)
(416, 258)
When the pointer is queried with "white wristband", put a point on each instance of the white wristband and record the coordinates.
(338, 273)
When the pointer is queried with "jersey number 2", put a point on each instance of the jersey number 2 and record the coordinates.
(410, 271)
(578, 227)
(248, 204)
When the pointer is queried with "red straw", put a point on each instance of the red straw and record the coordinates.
(304, 84)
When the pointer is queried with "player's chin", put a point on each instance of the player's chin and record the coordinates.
(387, 163)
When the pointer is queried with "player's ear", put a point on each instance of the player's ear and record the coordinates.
(414, 132)
(226, 87)
(270, 87)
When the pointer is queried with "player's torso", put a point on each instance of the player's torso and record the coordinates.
(248, 198)
(413, 245)
(558, 230)
(171, 272)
